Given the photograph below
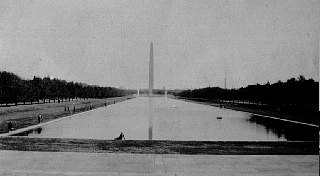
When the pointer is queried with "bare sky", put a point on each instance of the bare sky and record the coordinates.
(195, 42)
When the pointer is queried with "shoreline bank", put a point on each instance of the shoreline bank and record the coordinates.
(255, 111)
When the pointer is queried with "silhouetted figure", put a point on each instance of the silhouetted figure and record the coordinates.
(121, 137)
(10, 126)
(40, 118)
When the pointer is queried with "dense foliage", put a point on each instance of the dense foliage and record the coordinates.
(295, 91)
(13, 89)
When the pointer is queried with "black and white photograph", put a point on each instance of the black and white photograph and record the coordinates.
(159, 87)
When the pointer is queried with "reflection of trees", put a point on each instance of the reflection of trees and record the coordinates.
(291, 131)
(13, 89)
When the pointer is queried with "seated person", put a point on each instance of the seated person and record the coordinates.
(121, 137)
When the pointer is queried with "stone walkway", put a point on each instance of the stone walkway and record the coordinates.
(95, 164)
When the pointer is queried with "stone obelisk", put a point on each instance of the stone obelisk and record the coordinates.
(151, 69)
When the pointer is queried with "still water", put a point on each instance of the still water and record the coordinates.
(160, 118)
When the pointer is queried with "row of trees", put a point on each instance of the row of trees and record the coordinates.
(295, 91)
(13, 89)
(154, 91)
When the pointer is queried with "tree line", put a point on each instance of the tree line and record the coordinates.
(154, 91)
(13, 90)
(294, 92)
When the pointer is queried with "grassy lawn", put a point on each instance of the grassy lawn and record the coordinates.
(25, 115)
(160, 147)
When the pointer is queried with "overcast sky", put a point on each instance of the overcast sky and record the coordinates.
(196, 43)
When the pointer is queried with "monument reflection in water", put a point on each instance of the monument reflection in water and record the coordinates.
(150, 114)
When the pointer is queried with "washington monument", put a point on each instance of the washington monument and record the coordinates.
(151, 69)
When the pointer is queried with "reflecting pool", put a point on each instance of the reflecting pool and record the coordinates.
(161, 118)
